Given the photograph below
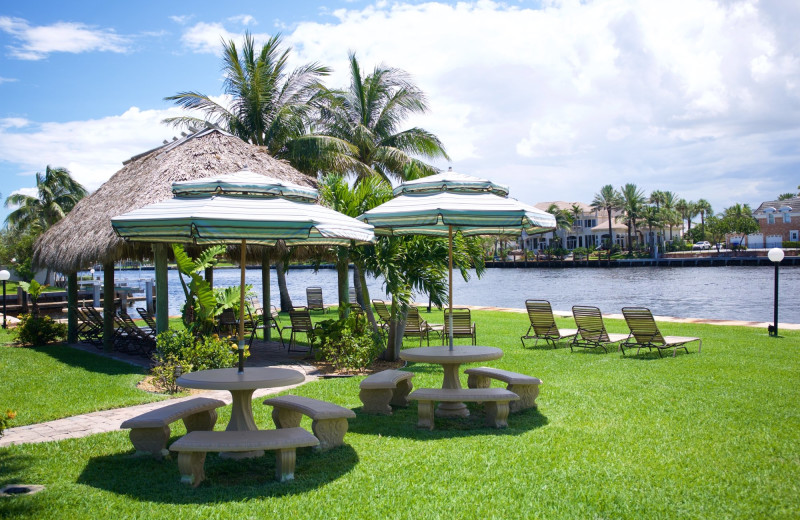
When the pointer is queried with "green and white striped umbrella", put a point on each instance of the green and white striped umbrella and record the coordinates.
(241, 208)
(442, 204)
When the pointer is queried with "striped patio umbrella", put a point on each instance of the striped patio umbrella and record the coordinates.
(241, 208)
(442, 204)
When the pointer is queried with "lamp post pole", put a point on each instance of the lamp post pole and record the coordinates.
(776, 256)
(4, 275)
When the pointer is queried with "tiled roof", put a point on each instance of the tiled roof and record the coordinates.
(793, 203)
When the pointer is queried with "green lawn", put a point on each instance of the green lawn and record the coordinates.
(46, 383)
(710, 435)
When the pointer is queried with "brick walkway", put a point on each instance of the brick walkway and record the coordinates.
(263, 354)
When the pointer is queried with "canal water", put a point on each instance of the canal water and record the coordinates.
(734, 292)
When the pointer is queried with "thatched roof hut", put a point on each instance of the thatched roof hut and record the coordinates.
(85, 236)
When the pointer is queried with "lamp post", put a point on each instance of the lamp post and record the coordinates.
(775, 255)
(4, 275)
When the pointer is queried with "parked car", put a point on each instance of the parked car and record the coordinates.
(699, 246)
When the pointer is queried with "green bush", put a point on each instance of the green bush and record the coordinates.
(5, 420)
(39, 330)
(349, 343)
(179, 351)
(788, 244)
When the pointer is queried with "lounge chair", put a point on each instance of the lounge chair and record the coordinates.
(87, 331)
(314, 299)
(416, 327)
(645, 333)
(148, 318)
(301, 322)
(462, 325)
(543, 324)
(142, 340)
(263, 320)
(227, 324)
(351, 297)
(591, 329)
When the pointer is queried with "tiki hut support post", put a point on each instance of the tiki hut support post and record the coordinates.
(108, 306)
(265, 293)
(72, 303)
(162, 299)
(343, 272)
(243, 268)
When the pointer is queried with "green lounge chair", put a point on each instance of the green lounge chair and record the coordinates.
(591, 329)
(543, 324)
(645, 333)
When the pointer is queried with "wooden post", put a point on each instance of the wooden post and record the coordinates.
(72, 303)
(265, 294)
(242, 267)
(162, 298)
(108, 306)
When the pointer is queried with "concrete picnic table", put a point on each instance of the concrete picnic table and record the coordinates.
(241, 386)
(451, 360)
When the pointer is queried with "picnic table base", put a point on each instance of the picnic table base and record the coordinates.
(451, 381)
(242, 420)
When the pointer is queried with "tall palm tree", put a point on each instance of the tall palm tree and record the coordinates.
(607, 199)
(650, 217)
(359, 129)
(269, 104)
(670, 215)
(632, 199)
(57, 194)
(657, 198)
(786, 196)
(704, 207)
(563, 218)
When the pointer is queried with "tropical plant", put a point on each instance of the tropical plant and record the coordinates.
(349, 342)
(563, 217)
(607, 199)
(704, 208)
(786, 196)
(269, 104)
(632, 202)
(57, 194)
(738, 219)
(180, 351)
(650, 217)
(203, 304)
(359, 129)
(34, 289)
(37, 330)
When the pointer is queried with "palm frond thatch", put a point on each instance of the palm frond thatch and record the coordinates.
(85, 237)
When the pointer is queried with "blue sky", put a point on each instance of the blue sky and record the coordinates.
(553, 98)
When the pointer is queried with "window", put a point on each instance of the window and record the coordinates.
(787, 219)
(770, 218)
(571, 242)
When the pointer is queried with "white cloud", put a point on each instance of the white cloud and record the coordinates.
(37, 42)
(205, 37)
(695, 96)
(181, 19)
(7, 80)
(91, 150)
(243, 19)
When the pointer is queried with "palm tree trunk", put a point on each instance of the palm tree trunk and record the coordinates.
(286, 300)
(362, 293)
(397, 327)
(610, 238)
(630, 239)
(343, 272)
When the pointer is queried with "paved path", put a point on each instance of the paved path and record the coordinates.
(273, 355)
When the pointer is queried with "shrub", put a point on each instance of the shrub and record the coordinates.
(787, 244)
(5, 420)
(178, 351)
(39, 330)
(349, 343)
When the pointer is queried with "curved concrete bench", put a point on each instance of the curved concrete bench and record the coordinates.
(192, 449)
(495, 403)
(150, 431)
(382, 390)
(328, 420)
(526, 387)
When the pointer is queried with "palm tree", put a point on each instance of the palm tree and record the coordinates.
(607, 199)
(563, 217)
(632, 204)
(359, 129)
(786, 196)
(57, 194)
(270, 105)
(651, 217)
(704, 207)
(670, 216)
(657, 198)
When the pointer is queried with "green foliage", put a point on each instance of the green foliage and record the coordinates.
(57, 194)
(203, 304)
(179, 351)
(5, 420)
(348, 343)
(787, 244)
(36, 330)
(580, 252)
(16, 251)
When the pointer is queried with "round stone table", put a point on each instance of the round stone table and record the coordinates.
(241, 387)
(450, 361)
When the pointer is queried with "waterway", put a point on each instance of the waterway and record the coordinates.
(734, 292)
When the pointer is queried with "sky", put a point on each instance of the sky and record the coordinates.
(553, 98)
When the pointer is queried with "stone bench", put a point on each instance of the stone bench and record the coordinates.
(381, 390)
(192, 449)
(150, 431)
(495, 403)
(526, 387)
(328, 420)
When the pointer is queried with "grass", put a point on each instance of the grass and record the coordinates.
(710, 435)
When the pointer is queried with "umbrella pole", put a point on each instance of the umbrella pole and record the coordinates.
(450, 294)
(241, 308)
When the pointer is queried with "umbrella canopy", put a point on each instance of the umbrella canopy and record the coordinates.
(441, 204)
(239, 208)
